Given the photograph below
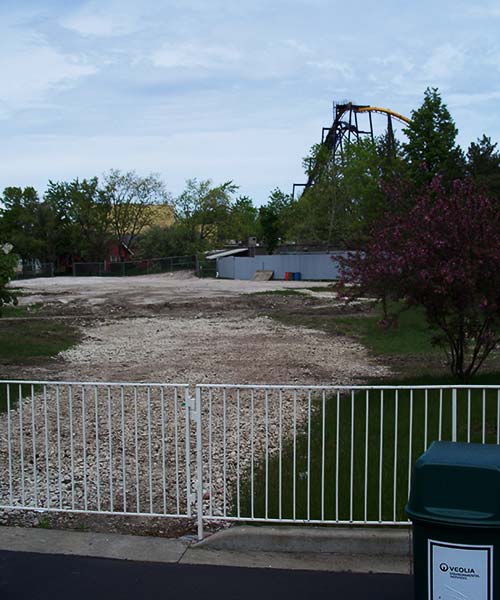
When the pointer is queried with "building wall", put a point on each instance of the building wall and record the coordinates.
(310, 266)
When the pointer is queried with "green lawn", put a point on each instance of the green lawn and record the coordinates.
(323, 477)
(26, 341)
(334, 437)
(410, 335)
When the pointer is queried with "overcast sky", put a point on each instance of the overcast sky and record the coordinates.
(225, 89)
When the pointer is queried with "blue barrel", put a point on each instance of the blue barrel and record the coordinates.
(297, 276)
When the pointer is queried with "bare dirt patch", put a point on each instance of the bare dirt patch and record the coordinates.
(178, 328)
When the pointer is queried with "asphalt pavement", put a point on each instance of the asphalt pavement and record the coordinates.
(33, 576)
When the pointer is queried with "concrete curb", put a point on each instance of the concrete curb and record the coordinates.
(100, 545)
(307, 548)
(319, 540)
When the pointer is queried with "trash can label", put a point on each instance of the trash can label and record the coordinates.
(460, 571)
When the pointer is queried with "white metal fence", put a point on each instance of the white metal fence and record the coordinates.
(294, 454)
(93, 447)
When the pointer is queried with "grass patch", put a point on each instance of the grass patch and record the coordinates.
(329, 288)
(28, 341)
(24, 340)
(411, 333)
(287, 292)
(323, 472)
(341, 454)
(21, 311)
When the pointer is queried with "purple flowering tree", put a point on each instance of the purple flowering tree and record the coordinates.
(442, 254)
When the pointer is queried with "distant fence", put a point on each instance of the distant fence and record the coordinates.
(147, 266)
(35, 270)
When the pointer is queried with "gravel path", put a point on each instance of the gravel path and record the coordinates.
(100, 459)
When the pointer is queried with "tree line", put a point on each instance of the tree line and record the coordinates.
(431, 237)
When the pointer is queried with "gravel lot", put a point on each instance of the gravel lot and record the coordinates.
(167, 329)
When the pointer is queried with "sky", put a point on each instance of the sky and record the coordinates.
(225, 90)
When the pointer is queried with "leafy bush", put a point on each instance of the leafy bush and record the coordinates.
(8, 263)
(442, 255)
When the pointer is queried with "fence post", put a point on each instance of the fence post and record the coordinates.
(199, 465)
(454, 415)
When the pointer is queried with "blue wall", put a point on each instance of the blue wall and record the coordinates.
(310, 266)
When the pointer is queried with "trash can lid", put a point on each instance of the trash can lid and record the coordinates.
(456, 483)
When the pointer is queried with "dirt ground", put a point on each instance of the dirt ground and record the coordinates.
(178, 328)
(175, 328)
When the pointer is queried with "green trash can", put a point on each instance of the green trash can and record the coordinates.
(455, 509)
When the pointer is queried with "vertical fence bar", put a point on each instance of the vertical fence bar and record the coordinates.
(309, 455)
(72, 445)
(280, 454)
(337, 445)
(395, 472)
(210, 450)
(110, 450)
(150, 452)
(21, 442)
(46, 428)
(410, 441)
(97, 449)
(33, 443)
(59, 455)
(238, 443)
(136, 446)
(9, 441)
(367, 422)
(176, 444)
(468, 414)
(224, 450)
(199, 463)
(163, 452)
(381, 455)
(323, 435)
(351, 466)
(84, 448)
(440, 418)
(294, 454)
(426, 417)
(252, 402)
(187, 425)
(124, 462)
(454, 415)
(266, 417)
(483, 437)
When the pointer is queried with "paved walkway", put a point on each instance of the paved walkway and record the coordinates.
(306, 548)
(30, 576)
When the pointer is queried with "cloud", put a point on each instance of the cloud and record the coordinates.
(194, 56)
(329, 68)
(104, 19)
(445, 61)
(30, 67)
(485, 12)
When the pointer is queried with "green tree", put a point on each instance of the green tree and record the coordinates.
(160, 242)
(203, 212)
(483, 165)
(81, 212)
(431, 147)
(130, 197)
(276, 219)
(19, 222)
(348, 194)
(7, 270)
(242, 220)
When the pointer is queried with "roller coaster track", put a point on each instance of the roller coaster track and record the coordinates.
(345, 127)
